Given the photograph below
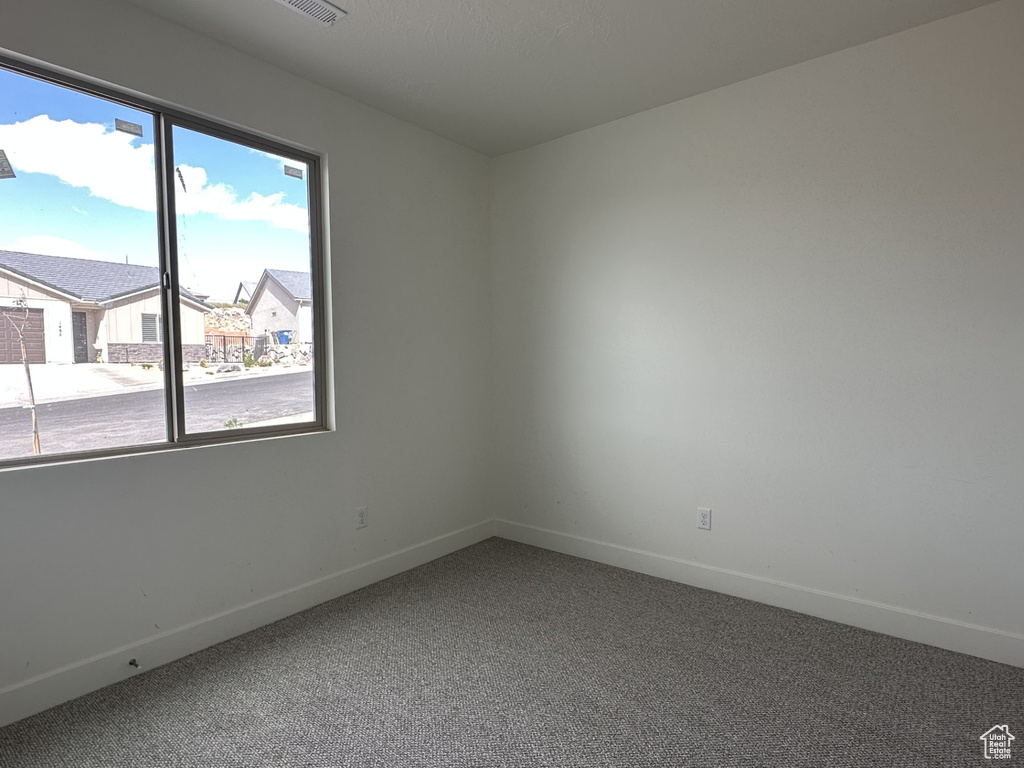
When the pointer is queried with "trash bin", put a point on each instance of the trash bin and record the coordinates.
(284, 337)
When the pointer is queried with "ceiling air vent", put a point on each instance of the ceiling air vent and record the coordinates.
(318, 10)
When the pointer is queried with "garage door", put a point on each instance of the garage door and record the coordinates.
(10, 347)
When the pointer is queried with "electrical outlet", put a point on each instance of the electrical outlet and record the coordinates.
(704, 518)
(362, 517)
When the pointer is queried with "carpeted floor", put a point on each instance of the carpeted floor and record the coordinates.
(507, 655)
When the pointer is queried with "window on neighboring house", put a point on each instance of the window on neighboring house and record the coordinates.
(138, 229)
(152, 329)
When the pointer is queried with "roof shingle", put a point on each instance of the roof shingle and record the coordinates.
(298, 284)
(86, 279)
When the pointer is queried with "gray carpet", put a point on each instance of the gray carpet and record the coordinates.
(507, 655)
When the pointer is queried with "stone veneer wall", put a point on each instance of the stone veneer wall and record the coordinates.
(151, 353)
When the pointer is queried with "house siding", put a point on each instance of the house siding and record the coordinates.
(274, 310)
(16, 289)
(124, 322)
(113, 334)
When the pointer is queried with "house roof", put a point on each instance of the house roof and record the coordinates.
(85, 279)
(245, 290)
(298, 284)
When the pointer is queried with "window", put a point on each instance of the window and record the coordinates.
(160, 276)
(152, 329)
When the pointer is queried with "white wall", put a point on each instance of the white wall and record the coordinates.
(796, 300)
(304, 326)
(156, 555)
(60, 340)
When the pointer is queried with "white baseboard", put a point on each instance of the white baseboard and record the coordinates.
(984, 642)
(57, 686)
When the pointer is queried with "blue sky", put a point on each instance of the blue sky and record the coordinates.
(87, 191)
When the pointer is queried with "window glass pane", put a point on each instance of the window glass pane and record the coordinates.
(244, 268)
(78, 273)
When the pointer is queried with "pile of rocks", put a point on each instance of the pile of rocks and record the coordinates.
(287, 354)
(228, 321)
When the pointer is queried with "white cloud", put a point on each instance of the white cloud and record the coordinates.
(112, 166)
(200, 196)
(84, 155)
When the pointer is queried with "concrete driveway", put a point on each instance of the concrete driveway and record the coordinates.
(54, 382)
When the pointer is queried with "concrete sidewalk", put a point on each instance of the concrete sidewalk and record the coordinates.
(53, 382)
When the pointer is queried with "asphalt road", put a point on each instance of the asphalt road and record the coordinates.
(137, 418)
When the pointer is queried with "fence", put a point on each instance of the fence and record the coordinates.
(221, 348)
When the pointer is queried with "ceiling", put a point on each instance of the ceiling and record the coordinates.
(503, 75)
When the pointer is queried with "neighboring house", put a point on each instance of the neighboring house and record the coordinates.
(80, 310)
(245, 291)
(283, 301)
